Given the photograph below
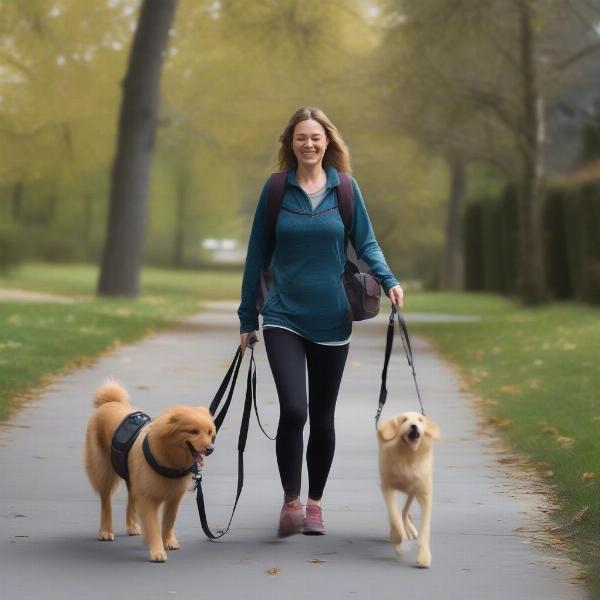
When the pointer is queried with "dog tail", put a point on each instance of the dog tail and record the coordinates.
(110, 391)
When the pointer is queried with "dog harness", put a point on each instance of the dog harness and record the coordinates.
(162, 470)
(123, 438)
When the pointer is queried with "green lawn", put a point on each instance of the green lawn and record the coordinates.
(40, 339)
(537, 375)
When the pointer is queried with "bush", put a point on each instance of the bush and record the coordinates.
(570, 221)
(556, 221)
(589, 242)
(473, 241)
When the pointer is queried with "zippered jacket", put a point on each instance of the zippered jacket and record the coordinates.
(307, 292)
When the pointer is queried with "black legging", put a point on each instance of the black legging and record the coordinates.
(289, 356)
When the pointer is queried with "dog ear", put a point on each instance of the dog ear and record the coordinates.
(387, 431)
(431, 429)
(174, 419)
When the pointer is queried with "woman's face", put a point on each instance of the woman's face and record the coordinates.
(309, 143)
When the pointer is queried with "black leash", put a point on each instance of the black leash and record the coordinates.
(231, 378)
(388, 351)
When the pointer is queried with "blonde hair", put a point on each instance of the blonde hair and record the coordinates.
(336, 154)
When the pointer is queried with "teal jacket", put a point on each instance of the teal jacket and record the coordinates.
(307, 293)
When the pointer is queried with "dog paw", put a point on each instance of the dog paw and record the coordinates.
(424, 559)
(158, 556)
(106, 536)
(396, 538)
(134, 529)
(399, 550)
(411, 530)
(172, 544)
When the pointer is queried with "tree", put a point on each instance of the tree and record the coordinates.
(120, 269)
(474, 81)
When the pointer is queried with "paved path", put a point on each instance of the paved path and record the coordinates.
(49, 515)
(10, 295)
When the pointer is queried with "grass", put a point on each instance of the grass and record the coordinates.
(39, 339)
(536, 373)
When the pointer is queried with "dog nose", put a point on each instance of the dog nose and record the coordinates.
(209, 450)
(413, 427)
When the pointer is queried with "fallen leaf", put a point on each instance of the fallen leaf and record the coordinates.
(510, 389)
(548, 473)
(588, 475)
(581, 514)
(316, 561)
(274, 571)
(565, 441)
(501, 423)
(551, 430)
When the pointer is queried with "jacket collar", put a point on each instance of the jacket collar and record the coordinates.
(333, 179)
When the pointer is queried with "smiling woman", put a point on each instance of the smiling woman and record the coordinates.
(306, 315)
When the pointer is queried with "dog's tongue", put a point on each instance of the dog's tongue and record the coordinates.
(413, 440)
(199, 458)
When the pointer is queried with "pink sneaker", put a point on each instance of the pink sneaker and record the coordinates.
(313, 522)
(291, 519)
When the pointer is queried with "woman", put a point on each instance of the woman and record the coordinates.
(306, 319)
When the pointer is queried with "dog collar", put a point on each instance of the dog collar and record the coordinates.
(160, 469)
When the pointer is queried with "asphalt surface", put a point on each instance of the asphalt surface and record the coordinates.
(49, 514)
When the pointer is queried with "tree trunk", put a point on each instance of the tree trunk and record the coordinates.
(88, 221)
(17, 202)
(119, 274)
(180, 220)
(531, 281)
(452, 273)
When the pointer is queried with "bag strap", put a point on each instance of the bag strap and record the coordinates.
(388, 351)
(277, 187)
(345, 196)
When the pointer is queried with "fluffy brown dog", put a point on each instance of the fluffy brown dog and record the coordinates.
(179, 437)
(406, 465)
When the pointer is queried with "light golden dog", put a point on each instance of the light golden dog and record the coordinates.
(179, 437)
(406, 465)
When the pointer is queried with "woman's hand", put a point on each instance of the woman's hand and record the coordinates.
(396, 296)
(244, 339)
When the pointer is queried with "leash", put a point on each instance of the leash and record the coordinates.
(230, 381)
(388, 351)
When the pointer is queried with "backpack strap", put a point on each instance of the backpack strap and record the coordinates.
(345, 195)
(277, 185)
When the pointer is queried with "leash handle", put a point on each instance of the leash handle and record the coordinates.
(405, 337)
(243, 436)
(252, 341)
(388, 351)
(249, 400)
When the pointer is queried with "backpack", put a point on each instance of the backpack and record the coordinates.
(363, 291)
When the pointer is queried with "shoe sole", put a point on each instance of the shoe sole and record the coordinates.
(314, 532)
